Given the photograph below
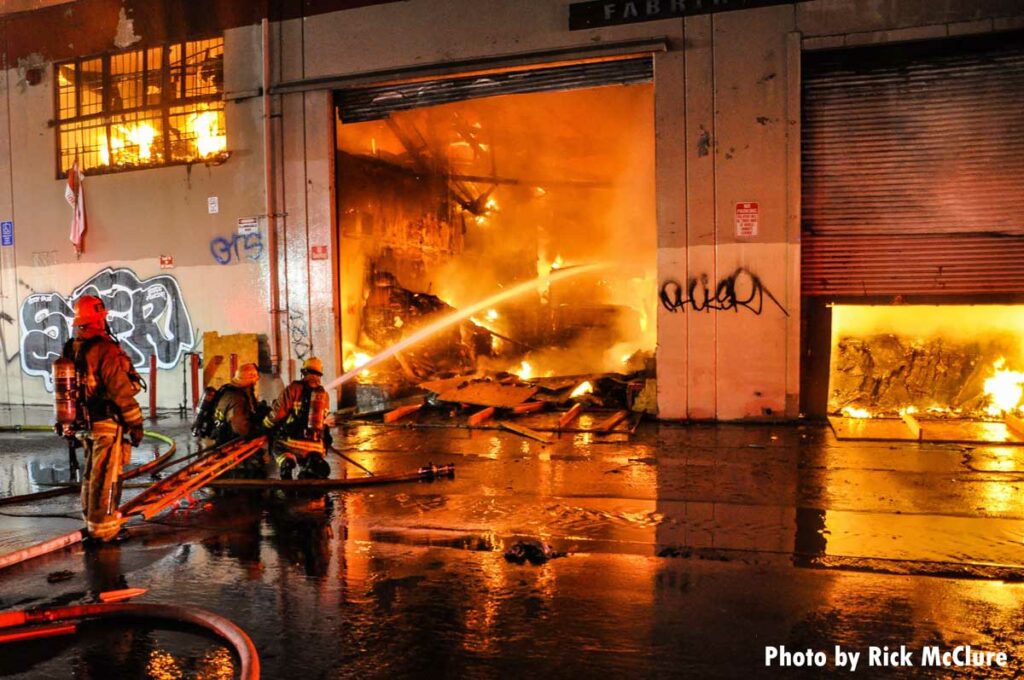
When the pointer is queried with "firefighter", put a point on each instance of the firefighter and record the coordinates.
(297, 418)
(106, 407)
(238, 413)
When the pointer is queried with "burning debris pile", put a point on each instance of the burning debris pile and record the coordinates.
(886, 374)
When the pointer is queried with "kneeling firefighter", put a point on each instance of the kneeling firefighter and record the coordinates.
(298, 416)
(233, 412)
(95, 390)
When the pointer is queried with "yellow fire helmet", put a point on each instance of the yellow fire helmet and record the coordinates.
(313, 365)
(246, 375)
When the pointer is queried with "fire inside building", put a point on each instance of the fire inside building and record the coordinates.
(534, 219)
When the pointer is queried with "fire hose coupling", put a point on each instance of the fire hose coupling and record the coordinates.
(431, 471)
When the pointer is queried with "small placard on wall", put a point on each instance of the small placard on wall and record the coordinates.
(248, 225)
(747, 219)
(7, 233)
(166, 261)
(212, 205)
(318, 252)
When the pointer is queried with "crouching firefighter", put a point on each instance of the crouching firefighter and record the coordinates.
(95, 390)
(298, 416)
(234, 412)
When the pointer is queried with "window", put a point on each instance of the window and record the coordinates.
(142, 108)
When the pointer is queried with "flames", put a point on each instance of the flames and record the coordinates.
(1004, 389)
(355, 359)
(139, 142)
(583, 388)
(852, 412)
(525, 371)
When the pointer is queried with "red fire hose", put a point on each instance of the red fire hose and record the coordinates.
(247, 655)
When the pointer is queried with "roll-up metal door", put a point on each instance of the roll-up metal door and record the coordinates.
(372, 103)
(913, 169)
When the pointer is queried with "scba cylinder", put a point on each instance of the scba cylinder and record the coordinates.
(65, 391)
(318, 404)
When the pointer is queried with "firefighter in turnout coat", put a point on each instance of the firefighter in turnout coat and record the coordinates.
(107, 408)
(297, 416)
(238, 413)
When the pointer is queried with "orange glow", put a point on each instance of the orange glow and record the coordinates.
(525, 371)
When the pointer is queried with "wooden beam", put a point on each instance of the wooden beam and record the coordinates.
(1014, 424)
(401, 412)
(914, 425)
(570, 415)
(609, 423)
(525, 432)
(528, 407)
(481, 415)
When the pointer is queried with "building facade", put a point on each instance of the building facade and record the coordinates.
(289, 151)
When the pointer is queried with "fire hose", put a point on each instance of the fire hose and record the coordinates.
(153, 466)
(248, 657)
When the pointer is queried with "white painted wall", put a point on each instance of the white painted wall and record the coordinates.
(727, 130)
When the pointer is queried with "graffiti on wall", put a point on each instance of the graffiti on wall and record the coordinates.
(148, 317)
(298, 331)
(740, 290)
(235, 248)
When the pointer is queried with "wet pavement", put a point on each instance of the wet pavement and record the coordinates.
(687, 550)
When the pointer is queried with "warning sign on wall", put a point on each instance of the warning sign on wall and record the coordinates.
(319, 252)
(747, 218)
(166, 262)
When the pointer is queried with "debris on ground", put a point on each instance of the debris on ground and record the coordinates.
(534, 552)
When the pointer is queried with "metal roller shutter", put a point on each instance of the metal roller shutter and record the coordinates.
(372, 103)
(913, 169)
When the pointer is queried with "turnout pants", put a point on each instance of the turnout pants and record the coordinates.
(105, 453)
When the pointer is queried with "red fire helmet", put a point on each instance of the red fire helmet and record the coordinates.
(89, 310)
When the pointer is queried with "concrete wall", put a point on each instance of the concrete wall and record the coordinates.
(134, 218)
(727, 131)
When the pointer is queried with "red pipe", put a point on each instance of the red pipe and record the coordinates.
(195, 381)
(36, 632)
(268, 189)
(152, 387)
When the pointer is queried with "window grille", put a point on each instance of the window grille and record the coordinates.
(141, 108)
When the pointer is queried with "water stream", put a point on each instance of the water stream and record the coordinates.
(465, 313)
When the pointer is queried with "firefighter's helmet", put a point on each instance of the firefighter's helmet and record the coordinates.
(313, 365)
(246, 375)
(89, 310)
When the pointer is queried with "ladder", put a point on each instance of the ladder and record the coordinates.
(191, 477)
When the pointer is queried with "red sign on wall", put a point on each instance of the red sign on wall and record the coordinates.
(166, 261)
(747, 218)
(318, 252)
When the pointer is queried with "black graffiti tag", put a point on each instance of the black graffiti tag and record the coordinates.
(742, 288)
(149, 318)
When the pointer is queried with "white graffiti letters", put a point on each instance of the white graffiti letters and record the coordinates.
(149, 318)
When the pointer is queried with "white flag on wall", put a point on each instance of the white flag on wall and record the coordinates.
(74, 192)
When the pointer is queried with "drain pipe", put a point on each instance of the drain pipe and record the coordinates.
(268, 182)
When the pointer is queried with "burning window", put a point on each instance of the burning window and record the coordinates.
(142, 108)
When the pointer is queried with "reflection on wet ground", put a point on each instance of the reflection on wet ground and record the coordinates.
(687, 551)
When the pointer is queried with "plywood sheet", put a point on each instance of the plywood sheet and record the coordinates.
(489, 394)
(887, 429)
(973, 431)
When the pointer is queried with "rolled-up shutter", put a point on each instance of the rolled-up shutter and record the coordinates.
(370, 103)
(913, 168)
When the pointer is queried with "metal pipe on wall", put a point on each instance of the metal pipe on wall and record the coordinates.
(268, 179)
